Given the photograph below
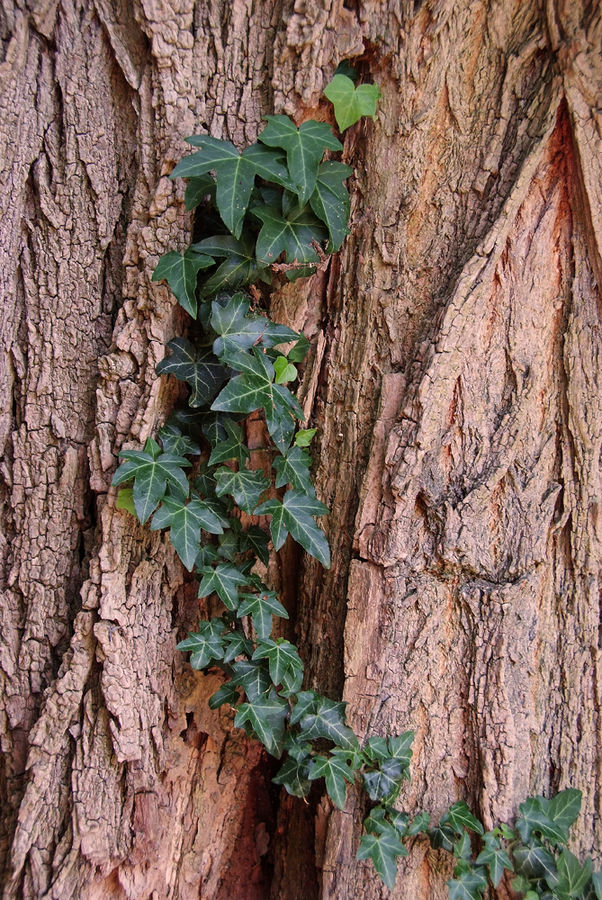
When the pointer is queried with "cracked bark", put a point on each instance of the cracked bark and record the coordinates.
(455, 374)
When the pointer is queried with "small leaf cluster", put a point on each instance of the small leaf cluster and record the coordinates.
(281, 206)
(534, 851)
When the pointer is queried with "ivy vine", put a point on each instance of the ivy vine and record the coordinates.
(281, 208)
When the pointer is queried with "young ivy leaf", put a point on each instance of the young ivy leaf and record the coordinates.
(304, 149)
(235, 174)
(330, 201)
(304, 437)
(350, 102)
(125, 500)
(292, 235)
(180, 270)
(285, 372)
(198, 368)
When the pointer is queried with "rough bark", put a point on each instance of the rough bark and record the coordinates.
(455, 376)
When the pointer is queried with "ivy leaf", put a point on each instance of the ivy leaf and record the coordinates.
(180, 270)
(597, 884)
(350, 102)
(383, 849)
(284, 370)
(330, 201)
(293, 776)
(495, 858)
(235, 174)
(238, 645)
(198, 368)
(292, 468)
(236, 329)
(419, 824)
(239, 266)
(253, 677)
(246, 487)
(125, 500)
(335, 770)
(572, 876)
(206, 644)
(261, 607)
(295, 514)
(196, 190)
(232, 448)
(534, 818)
(298, 353)
(458, 817)
(534, 862)
(564, 808)
(327, 720)
(468, 886)
(185, 521)
(382, 782)
(173, 441)
(275, 334)
(282, 656)
(265, 716)
(152, 471)
(306, 702)
(256, 540)
(292, 235)
(304, 149)
(227, 693)
(223, 580)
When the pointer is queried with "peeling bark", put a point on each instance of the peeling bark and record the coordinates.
(455, 377)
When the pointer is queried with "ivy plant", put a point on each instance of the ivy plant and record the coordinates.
(281, 207)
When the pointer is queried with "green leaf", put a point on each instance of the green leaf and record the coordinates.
(292, 468)
(292, 235)
(252, 676)
(383, 849)
(239, 266)
(535, 818)
(442, 838)
(458, 817)
(152, 472)
(304, 149)
(564, 808)
(468, 886)
(232, 448)
(597, 884)
(572, 876)
(180, 270)
(265, 716)
(284, 370)
(236, 329)
(227, 693)
(238, 645)
(345, 68)
(350, 102)
(185, 521)
(173, 441)
(495, 858)
(293, 776)
(282, 656)
(335, 770)
(297, 355)
(235, 174)
(261, 607)
(223, 580)
(125, 500)
(256, 540)
(198, 368)
(326, 719)
(206, 644)
(196, 191)
(246, 487)
(419, 824)
(330, 201)
(534, 862)
(383, 782)
(298, 510)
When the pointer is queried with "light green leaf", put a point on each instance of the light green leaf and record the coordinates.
(125, 500)
(198, 368)
(180, 270)
(350, 102)
(285, 372)
(196, 191)
(304, 437)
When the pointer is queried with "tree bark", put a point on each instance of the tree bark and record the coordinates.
(455, 377)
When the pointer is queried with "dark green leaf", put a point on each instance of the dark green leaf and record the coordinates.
(459, 817)
(282, 656)
(304, 149)
(152, 472)
(383, 849)
(206, 644)
(226, 694)
(534, 818)
(306, 702)
(180, 270)
(173, 441)
(419, 824)
(256, 540)
(572, 876)
(196, 191)
(292, 468)
(335, 770)
(265, 716)
(246, 487)
(185, 521)
(198, 368)
(235, 174)
(383, 782)
(239, 266)
(563, 809)
(330, 201)
(231, 448)
(297, 354)
(292, 235)
(534, 862)
(469, 886)
(293, 777)
(350, 102)
(252, 676)
(261, 607)
(298, 512)
(224, 580)
(495, 858)
(327, 720)
(238, 645)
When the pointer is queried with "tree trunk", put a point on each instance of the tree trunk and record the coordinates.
(455, 378)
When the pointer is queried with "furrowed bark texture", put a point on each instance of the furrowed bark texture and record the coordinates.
(455, 377)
